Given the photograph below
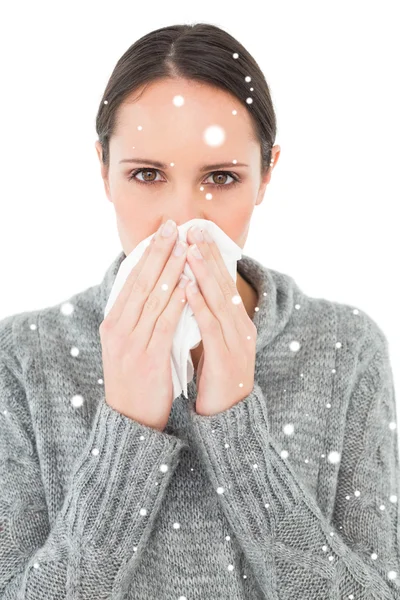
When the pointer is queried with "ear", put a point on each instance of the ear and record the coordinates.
(275, 152)
(104, 169)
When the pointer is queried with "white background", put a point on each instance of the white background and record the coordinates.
(331, 211)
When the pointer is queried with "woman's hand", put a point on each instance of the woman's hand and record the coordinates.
(225, 373)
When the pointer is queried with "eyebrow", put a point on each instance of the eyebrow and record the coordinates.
(160, 165)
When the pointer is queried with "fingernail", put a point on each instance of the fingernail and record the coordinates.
(183, 280)
(180, 248)
(195, 251)
(207, 236)
(198, 236)
(193, 287)
(169, 228)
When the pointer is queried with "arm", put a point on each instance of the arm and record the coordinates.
(90, 551)
(289, 543)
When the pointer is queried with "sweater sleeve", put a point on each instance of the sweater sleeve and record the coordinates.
(291, 546)
(114, 494)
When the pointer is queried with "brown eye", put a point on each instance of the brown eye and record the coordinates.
(146, 173)
(218, 178)
(221, 183)
(147, 176)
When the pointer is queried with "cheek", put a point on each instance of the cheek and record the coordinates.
(236, 224)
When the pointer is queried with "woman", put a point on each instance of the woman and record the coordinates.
(284, 488)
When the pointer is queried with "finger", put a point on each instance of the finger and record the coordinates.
(167, 322)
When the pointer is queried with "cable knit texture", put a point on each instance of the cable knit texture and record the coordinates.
(290, 494)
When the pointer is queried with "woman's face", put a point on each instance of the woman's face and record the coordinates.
(156, 128)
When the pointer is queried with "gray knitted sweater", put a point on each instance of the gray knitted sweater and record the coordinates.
(291, 494)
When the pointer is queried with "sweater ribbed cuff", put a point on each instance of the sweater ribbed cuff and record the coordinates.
(119, 482)
(242, 464)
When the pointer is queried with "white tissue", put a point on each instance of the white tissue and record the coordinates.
(187, 334)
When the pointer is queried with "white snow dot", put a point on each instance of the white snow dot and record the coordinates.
(208, 196)
(392, 425)
(100, 381)
(374, 556)
(325, 548)
(140, 127)
(357, 493)
(220, 490)
(297, 306)
(288, 429)
(393, 498)
(164, 286)
(382, 507)
(249, 100)
(235, 55)
(256, 309)
(392, 575)
(338, 345)
(355, 311)
(234, 112)
(230, 567)
(247, 78)
(95, 451)
(236, 299)
(234, 161)
(176, 525)
(36, 565)
(105, 102)
(333, 370)
(294, 346)
(172, 164)
(77, 400)
(284, 454)
(143, 512)
(67, 308)
(178, 100)
(227, 537)
(33, 326)
(74, 351)
(163, 468)
(214, 135)
(141, 437)
(334, 457)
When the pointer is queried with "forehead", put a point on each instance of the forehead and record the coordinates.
(169, 109)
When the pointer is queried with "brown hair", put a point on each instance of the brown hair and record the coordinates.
(201, 52)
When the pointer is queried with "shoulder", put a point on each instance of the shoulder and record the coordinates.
(24, 334)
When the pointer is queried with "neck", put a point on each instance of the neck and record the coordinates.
(248, 294)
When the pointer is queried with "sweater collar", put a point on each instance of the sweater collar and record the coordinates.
(275, 307)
